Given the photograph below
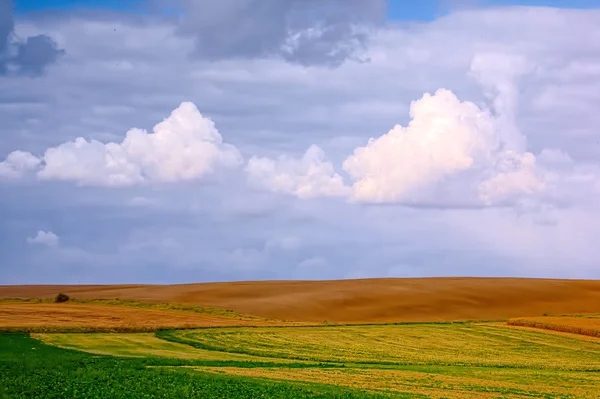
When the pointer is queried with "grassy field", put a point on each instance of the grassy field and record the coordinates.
(357, 301)
(415, 360)
(457, 344)
(30, 369)
(141, 345)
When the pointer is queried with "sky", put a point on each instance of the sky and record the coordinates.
(184, 141)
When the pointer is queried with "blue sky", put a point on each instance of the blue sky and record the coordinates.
(399, 9)
(219, 146)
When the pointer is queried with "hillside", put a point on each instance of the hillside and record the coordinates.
(354, 301)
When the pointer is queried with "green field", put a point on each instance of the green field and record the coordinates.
(427, 360)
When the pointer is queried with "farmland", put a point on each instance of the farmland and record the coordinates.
(588, 325)
(30, 369)
(458, 344)
(111, 316)
(414, 360)
(121, 348)
(357, 301)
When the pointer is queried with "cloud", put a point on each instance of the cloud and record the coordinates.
(34, 54)
(185, 146)
(29, 56)
(48, 239)
(6, 24)
(17, 164)
(308, 177)
(452, 153)
(307, 32)
(267, 106)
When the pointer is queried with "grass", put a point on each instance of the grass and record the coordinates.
(458, 344)
(31, 369)
(589, 326)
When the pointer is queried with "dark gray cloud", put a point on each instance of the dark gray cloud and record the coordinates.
(308, 32)
(25, 56)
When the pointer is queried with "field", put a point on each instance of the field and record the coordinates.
(30, 369)
(36, 316)
(416, 360)
(358, 301)
(588, 325)
(128, 347)
(98, 318)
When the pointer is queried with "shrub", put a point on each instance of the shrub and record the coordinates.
(60, 298)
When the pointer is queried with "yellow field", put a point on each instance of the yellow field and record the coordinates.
(139, 345)
(98, 317)
(440, 383)
(589, 326)
(417, 344)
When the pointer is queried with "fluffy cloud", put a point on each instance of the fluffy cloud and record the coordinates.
(308, 177)
(450, 151)
(46, 238)
(185, 146)
(17, 164)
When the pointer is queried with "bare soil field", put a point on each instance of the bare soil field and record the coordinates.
(358, 301)
(94, 317)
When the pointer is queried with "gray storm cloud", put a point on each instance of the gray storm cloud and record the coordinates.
(307, 32)
(23, 56)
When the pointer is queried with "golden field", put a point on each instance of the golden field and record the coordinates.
(98, 317)
(582, 325)
(358, 301)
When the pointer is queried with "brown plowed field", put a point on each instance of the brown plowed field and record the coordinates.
(359, 301)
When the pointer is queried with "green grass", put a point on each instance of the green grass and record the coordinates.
(462, 344)
(31, 369)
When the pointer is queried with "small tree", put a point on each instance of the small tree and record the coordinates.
(60, 298)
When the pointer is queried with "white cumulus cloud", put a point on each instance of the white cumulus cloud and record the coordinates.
(17, 164)
(451, 153)
(184, 146)
(308, 177)
(46, 238)
(444, 138)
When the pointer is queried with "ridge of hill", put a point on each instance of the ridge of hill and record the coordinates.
(358, 301)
